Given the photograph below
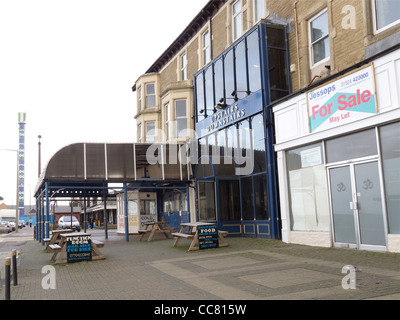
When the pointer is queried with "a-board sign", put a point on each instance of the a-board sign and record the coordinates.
(208, 237)
(79, 248)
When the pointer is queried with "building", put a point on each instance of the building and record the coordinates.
(234, 81)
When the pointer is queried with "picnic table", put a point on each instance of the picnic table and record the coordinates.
(60, 250)
(156, 227)
(55, 238)
(193, 234)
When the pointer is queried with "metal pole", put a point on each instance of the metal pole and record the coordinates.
(105, 214)
(84, 214)
(14, 267)
(47, 212)
(126, 213)
(8, 279)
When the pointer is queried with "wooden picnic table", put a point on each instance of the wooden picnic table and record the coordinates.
(60, 249)
(156, 227)
(193, 234)
(55, 237)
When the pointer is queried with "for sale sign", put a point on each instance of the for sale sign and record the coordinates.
(348, 99)
(79, 248)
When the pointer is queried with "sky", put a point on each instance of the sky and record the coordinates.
(70, 65)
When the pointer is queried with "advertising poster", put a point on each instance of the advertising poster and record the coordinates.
(348, 99)
(79, 248)
(208, 237)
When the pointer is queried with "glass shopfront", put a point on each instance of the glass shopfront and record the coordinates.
(349, 185)
(235, 175)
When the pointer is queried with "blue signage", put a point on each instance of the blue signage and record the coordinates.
(208, 237)
(230, 115)
(21, 164)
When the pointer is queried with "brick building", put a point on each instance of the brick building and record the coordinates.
(232, 71)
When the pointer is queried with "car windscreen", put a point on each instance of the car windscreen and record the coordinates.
(68, 219)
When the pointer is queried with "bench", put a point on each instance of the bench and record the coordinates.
(56, 248)
(99, 244)
(182, 235)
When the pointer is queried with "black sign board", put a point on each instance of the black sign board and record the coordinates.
(79, 248)
(208, 237)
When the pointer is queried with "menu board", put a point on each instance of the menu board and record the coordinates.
(79, 248)
(208, 237)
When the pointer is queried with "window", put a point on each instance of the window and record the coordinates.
(390, 145)
(319, 38)
(150, 131)
(308, 190)
(180, 118)
(259, 10)
(140, 133)
(386, 13)
(206, 47)
(237, 19)
(167, 122)
(183, 67)
(150, 95)
(139, 93)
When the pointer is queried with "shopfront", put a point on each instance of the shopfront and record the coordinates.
(235, 176)
(339, 160)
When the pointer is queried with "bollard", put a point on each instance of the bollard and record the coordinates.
(14, 267)
(8, 280)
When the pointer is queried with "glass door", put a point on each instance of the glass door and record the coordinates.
(357, 208)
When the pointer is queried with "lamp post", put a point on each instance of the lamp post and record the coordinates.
(16, 199)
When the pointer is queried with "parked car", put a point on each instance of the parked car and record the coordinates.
(21, 224)
(65, 223)
(5, 227)
(12, 224)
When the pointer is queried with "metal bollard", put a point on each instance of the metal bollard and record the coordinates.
(14, 267)
(8, 280)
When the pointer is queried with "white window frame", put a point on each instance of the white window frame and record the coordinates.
(167, 107)
(206, 47)
(150, 95)
(375, 21)
(311, 44)
(140, 136)
(153, 136)
(257, 16)
(139, 93)
(183, 65)
(180, 117)
(235, 34)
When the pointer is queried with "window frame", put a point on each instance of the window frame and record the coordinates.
(150, 95)
(139, 94)
(180, 117)
(375, 20)
(256, 14)
(147, 130)
(140, 136)
(311, 43)
(167, 108)
(206, 48)
(183, 66)
(235, 34)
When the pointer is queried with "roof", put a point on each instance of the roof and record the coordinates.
(92, 165)
(188, 33)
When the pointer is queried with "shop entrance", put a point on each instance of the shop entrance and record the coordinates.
(357, 207)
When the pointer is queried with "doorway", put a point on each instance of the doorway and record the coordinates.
(357, 206)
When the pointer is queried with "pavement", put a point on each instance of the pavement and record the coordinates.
(248, 269)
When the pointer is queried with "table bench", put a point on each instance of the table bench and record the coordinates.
(193, 235)
(156, 227)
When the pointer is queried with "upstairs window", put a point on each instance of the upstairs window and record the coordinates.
(167, 122)
(237, 19)
(150, 131)
(180, 118)
(206, 48)
(139, 93)
(150, 95)
(183, 67)
(319, 38)
(386, 13)
(259, 10)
